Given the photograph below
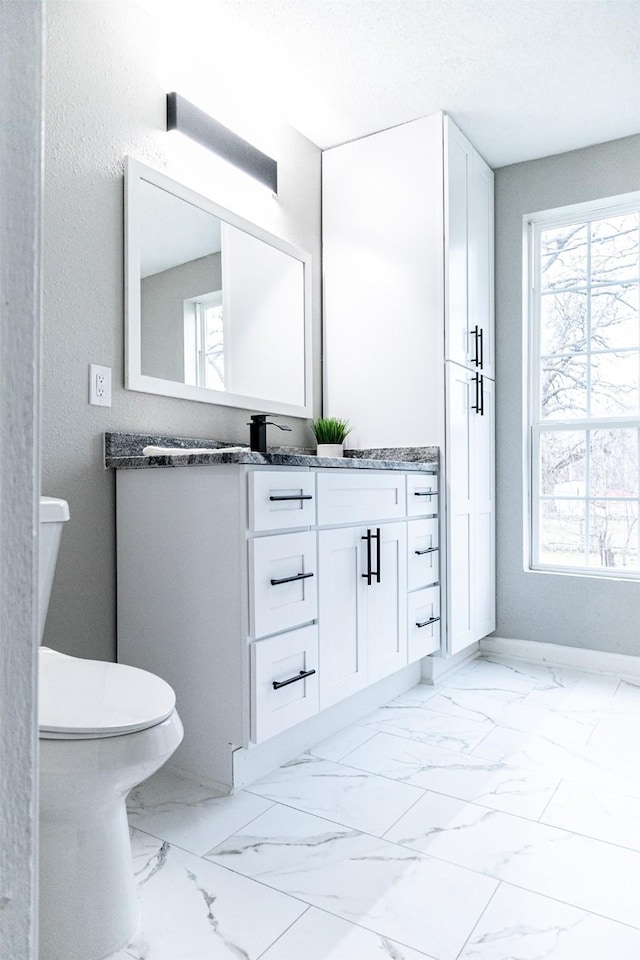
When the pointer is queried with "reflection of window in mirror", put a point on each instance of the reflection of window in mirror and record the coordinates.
(204, 360)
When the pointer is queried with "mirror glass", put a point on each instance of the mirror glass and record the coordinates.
(218, 310)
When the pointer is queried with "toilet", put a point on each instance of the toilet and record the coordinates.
(104, 728)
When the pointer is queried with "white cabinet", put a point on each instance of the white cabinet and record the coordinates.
(386, 600)
(284, 681)
(422, 495)
(484, 516)
(423, 623)
(468, 192)
(362, 604)
(360, 496)
(423, 551)
(341, 601)
(383, 297)
(282, 579)
(281, 499)
(408, 291)
(263, 596)
(469, 456)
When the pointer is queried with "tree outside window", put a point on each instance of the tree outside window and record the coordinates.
(585, 380)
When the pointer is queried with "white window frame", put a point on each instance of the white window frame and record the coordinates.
(534, 426)
(195, 361)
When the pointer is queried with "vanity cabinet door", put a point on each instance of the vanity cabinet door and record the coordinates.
(283, 582)
(385, 603)
(343, 644)
(362, 607)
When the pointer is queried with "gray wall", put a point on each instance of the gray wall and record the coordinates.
(555, 608)
(21, 56)
(162, 297)
(106, 100)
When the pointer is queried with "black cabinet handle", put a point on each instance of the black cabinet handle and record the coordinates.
(293, 496)
(478, 406)
(377, 537)
(371, 573)
(420, 553)
(298, 576)
(424, 493)
(368, 574)
(478, 358)
(475, 333)
(299, 676)
(426, 623)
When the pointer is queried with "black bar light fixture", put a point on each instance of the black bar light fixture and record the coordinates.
(199, 126)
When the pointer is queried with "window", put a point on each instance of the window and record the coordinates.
(584, 389)
(204, 341)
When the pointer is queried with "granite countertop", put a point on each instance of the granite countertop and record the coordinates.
(124, 451)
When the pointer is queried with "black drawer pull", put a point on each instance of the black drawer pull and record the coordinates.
(419, 553)
(377, 536)
(292, 496)
(370, 574)
(426, 623)
(424, 493)
(298, 576)
(300, 676)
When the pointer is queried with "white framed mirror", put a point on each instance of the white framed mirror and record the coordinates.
(216, 309)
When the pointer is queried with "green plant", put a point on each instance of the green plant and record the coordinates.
(330, 429)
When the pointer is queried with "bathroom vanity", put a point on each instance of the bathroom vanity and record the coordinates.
(275, 596)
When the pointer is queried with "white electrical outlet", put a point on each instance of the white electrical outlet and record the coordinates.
(99, 385)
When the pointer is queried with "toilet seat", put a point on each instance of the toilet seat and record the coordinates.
(89, 699)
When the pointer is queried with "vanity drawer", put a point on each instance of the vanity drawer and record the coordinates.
(284, 681)
(360, 496)
(281, 499)
(424, 623)
(423, 553)
(422, 494)
(283, 582)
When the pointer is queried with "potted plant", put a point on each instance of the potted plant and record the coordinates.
(330, 434)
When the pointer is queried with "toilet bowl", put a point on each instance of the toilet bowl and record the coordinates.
(104, 728)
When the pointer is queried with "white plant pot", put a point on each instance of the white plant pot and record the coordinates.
(330, 450)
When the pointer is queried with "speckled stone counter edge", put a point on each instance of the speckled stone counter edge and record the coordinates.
(124, 451)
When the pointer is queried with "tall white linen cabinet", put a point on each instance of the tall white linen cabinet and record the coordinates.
(409, 330)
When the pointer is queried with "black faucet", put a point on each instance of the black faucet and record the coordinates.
(258, 431)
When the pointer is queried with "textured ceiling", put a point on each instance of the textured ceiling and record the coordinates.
(522, 78)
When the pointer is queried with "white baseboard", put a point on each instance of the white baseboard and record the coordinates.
(433, 668)
(591, 661)
(257, 761)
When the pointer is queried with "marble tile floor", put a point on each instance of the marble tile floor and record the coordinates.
(495, 816)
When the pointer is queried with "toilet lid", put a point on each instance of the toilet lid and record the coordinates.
(91, 698)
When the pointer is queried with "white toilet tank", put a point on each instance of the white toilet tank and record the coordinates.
(53, 513)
